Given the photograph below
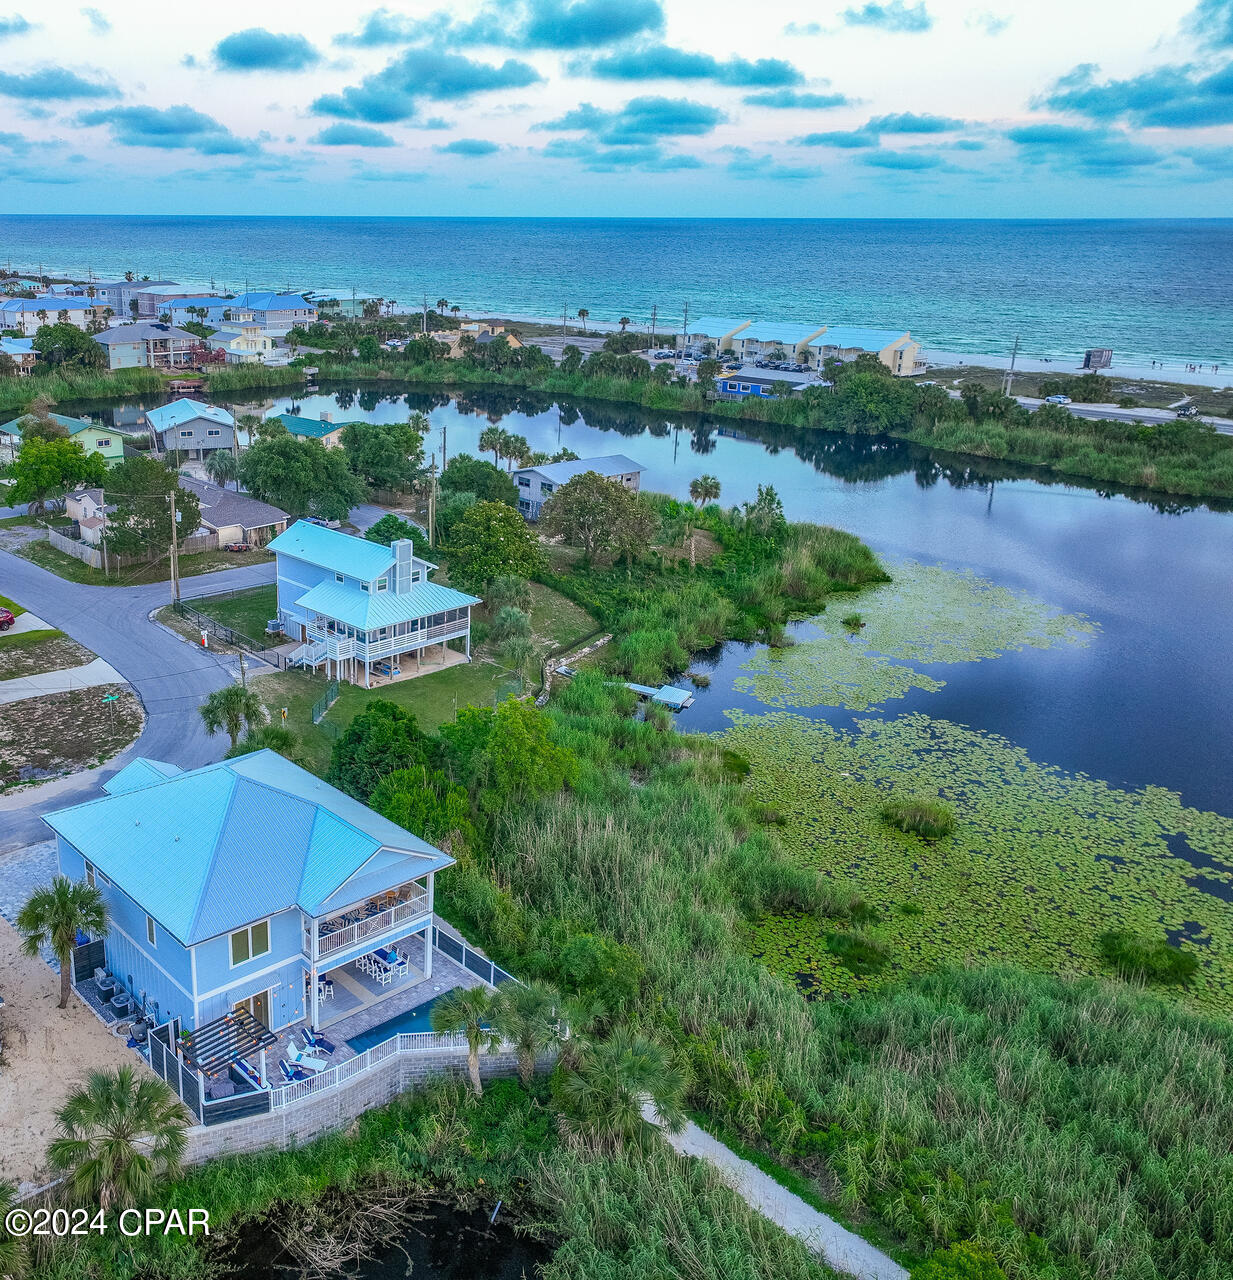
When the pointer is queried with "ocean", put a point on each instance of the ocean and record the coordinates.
(1149, 289)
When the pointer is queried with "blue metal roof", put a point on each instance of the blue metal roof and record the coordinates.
(273, 302)
(314, 427)
(333, 549)
(614, 464)
(849, 336)
(368, 610)
(212, 850)
(139, 773)
(71, 425)
(180, 411)
(779, 331)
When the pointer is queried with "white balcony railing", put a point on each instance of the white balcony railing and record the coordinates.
(347, 647)
(372, 927)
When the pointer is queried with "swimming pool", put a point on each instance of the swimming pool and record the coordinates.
(417, 1019)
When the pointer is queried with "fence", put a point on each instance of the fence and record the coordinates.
(93, 556)
(168, 1065)
(229, 635)
(87, 957)
(472, 961)
(325, 702)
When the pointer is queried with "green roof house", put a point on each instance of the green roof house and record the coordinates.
(92, 436)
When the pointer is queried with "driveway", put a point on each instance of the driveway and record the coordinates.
(170, 676)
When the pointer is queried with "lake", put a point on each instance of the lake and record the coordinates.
(1145, 702)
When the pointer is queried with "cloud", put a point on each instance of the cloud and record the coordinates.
(16, 143)
(849, 139)
(992, 24)
(661, 62)
(42, 175)
(803, 29)
(366, 173)
(170, 128)
(1075, 148)
(647, 157)
(895, 16)
(792, 100)
(909, 122)
(902, 160)
(14, 26)
(1212, 22)
(54, 83)
(1178, 97)
(468, 147)
(1216, 160)
(352, 135)
(747, 166)
(260, 50)
(640, 120)
(98, 21)
(524, 24)
(391, 93)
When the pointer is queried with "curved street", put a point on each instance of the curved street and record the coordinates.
(170, 676)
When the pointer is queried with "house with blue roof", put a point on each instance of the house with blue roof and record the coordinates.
(363, 610)
(249, 884)
(192, 427)
(537, 484)
(28, 315)
(277, 312)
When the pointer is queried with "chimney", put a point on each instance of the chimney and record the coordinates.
(325, 417)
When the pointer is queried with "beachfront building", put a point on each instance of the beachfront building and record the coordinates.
(898, 351)
(277, 312)
(192, 428)
(805, 344)
(364, 611)
(92, 436)
(29, 315)
(538, 483)
(21, 352)
(329, 433)
(216, 310)
(247, 885)
(148, 344)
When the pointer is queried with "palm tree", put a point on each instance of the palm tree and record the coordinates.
(605, 1096)
(54, 914)
(455, 309)
(118, 1136)
(13, 1256)
(467, 1010)
(492, 438)
(234, 709)
(268, 737)
(222, 467)
(704, 489)
(624, 323)
(442, 304)
(582, 315)
(525, 1014)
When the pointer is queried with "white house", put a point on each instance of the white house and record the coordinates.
(277, 312)
(244, 342)
(537, 484)
(148, 344)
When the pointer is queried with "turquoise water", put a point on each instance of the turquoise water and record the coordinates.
(417, 1019)
(1150, 289)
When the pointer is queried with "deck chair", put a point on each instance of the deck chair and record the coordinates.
(292, 1074)
(315, 1041)
(306, 1060)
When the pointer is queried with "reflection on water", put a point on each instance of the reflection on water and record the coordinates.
(1146, 702)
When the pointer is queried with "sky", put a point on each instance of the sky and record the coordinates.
(858, 108)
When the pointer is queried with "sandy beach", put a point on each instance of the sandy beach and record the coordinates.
(48, 1052)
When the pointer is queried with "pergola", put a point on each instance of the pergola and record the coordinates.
(211, 1049)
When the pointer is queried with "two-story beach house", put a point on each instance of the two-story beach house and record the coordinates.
(93, 437)
(364, 610)
(194, 428)
(537, 484)
(250, 885)
(148, 344)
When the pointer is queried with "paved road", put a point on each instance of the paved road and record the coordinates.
(1095, 411)
(169, 676)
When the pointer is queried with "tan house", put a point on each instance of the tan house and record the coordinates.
(329, 433)
(235, 517)
(87, 508)
(809, 345)
(243, 342)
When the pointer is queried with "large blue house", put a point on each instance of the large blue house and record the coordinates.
(361, 608)
(249, 884)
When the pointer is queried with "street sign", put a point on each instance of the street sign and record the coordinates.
(111, 697)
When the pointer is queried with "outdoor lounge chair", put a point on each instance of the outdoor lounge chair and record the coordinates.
(306, 1060)
(292, 1074)
(315, 1041)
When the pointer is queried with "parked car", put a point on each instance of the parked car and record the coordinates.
(1057, 399)
(237, 546)
(1188, 411)
(6, 619)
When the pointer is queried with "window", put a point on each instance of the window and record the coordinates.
(90, 875)
(104, 443)
(546, 487)
(744, 386)
(186, 435)
(151, 935)
(340, 577)
(213, 431)
(382, 584)
(248, 944)
(365, 586)
(524, 482)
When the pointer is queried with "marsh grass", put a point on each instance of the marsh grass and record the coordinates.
(920, 816)
(1140, 959)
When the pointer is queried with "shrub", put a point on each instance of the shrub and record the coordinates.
(1142, 959)
(920, 816)
(858, 952)
(964, 1260)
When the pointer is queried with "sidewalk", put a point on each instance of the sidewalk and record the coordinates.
(93, 673)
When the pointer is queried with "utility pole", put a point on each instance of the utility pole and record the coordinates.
(654, 317)
(564, 312)
(175, 550)
(432, 501)
(685, 335)
(1010, 373)
(424, 321)
(243, 672)
(444, 458)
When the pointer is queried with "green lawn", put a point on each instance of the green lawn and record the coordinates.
(12, 606)
(245, 611)
(30, 653)
(66, 566)
(557, 620)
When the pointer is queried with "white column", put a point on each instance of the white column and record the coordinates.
(428, 949)
(314, 996)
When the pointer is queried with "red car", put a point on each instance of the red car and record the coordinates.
(6, 619)
(237, 546)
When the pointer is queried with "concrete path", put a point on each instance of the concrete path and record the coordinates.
(839, 1248)
(169, 676)
(83, 677)
(28, 622)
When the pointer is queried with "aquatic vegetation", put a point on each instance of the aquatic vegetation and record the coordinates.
(1146, 959)
(919, 816)
(1040, 864)
(927, 614)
